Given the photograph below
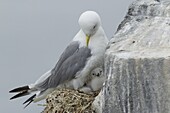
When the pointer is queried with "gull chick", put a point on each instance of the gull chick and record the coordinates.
(95, 82)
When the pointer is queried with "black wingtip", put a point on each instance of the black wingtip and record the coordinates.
(24, 93)
(29, 100)
(28, 104)
(19, 89)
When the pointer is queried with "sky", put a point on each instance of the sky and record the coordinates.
(33, 34)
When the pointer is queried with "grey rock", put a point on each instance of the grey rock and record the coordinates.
(98, 103)
(137, 62)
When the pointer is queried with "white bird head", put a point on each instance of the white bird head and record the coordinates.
(89, 22)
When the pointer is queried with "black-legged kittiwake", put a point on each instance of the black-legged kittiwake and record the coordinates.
(82, 55)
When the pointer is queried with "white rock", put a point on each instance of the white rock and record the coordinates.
(137, 63)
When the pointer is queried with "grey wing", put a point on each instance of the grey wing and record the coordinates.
(70, 62)
(70, 50)
(70, 67)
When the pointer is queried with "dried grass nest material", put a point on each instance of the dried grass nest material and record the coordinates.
(69, 101)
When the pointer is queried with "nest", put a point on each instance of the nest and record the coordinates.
(69, 101)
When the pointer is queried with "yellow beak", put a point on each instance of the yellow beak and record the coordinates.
(87, 40)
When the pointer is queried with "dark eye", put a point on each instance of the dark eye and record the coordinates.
(94, 27)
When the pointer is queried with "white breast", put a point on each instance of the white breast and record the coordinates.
(97, 44)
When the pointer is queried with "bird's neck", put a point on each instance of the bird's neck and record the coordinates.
(99, 38)
(81, 38)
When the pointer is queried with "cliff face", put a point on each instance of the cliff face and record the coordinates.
(137, 62)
